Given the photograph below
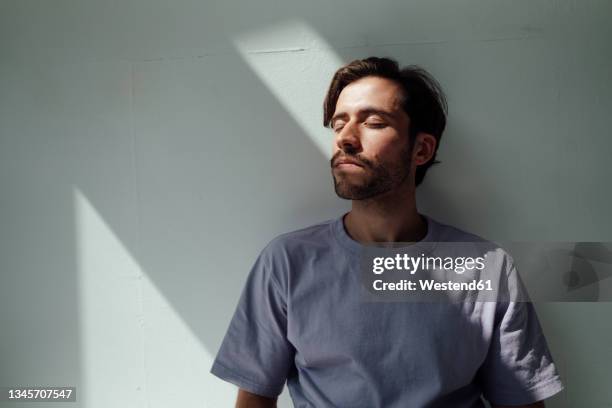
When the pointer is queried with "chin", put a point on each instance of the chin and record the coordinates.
(349, 191)
(345, 190)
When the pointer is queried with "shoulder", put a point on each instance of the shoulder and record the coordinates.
(452, 235)
(287, 253)
(308, 238)
(449, 233)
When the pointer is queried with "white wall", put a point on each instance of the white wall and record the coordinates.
(148, 150)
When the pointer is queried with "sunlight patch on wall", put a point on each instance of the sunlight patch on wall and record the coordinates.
(136, 349)
(296, 64)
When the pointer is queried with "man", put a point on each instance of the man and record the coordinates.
(300, 318)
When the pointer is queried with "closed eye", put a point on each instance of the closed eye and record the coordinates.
(376, 125)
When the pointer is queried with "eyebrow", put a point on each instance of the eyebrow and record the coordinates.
(363, 112)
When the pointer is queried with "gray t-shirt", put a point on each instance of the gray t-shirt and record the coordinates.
(300, 320)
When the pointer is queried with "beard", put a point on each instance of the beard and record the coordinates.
(375, 178)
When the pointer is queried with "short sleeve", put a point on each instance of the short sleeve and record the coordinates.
(255, 354)
(519, 368)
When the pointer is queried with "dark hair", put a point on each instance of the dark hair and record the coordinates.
(423, 99)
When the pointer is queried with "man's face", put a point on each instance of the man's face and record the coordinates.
(371, 130)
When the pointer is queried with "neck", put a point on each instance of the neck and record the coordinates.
(389, 217)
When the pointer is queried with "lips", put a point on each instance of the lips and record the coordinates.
(347, 161)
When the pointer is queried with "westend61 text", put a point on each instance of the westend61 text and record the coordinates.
(430, 284)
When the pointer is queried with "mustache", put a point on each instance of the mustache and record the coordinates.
(360, 160)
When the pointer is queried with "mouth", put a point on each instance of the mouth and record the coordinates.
(346, 163)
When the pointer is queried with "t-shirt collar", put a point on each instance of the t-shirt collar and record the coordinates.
(425, 245)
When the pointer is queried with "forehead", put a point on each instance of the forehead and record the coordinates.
(370, 91)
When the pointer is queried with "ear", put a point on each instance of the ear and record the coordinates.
(424, 148)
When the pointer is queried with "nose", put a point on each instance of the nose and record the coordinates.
(349, 138)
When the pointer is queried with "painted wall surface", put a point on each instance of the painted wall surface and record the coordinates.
(149, 150)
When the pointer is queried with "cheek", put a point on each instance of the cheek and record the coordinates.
(386, 148)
